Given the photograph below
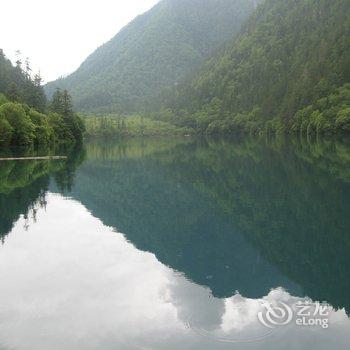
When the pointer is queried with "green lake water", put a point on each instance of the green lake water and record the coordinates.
(181, 243)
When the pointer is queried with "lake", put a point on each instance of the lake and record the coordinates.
(180, 243)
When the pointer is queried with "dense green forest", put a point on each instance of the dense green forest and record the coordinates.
(26, 118)
(288, 71)
(156, 50)
(223, 67)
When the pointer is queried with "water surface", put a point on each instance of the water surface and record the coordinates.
(168, 244)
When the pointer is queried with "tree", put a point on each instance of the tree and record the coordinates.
(37, 79)
(18, 60)
(27, 69)
(13, 93)
(23, 128)
(73, 121)
(6, 131)
(3, 99)
(61, 104)
(67, 105)
(56, 102)
(343, 120)
(61, 131)
(43, 130)
(35, 93)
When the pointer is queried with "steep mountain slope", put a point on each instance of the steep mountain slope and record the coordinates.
(287, 70)
(157, 49)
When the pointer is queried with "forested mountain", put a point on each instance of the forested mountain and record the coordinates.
(156, 50)
(288, 70)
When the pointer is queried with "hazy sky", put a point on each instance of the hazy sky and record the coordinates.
(58, 35)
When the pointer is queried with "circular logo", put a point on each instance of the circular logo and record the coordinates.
(275, 315)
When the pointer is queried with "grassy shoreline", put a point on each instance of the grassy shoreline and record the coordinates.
(110, 126)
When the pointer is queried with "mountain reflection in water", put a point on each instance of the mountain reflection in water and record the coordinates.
(267, 219)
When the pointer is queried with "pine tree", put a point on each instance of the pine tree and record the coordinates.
(27, 69)
(13, 93)
(67, 105)
(56, 102)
